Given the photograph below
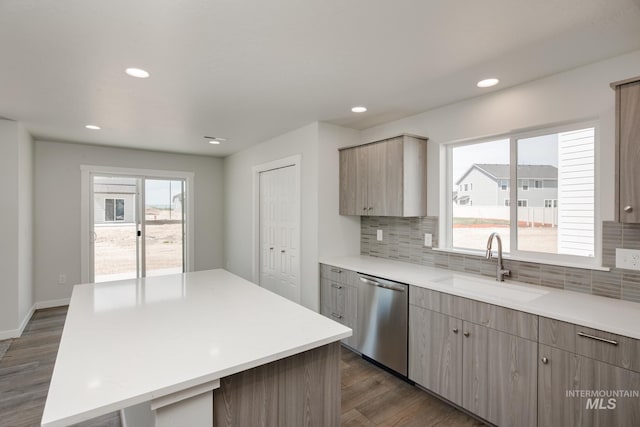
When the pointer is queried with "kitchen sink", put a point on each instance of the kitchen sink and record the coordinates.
(501, 290)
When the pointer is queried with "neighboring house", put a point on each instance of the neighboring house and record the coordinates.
(488, 185)
(114, 200)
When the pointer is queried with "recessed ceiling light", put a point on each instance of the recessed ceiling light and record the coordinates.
(214, 139)
(93, 127)
(137, 72)
(359, 109)
(488, 82)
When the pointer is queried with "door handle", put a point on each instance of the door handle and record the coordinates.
(592, 337)
(382, 285)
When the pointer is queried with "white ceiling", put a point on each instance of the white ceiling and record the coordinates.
(251, 70)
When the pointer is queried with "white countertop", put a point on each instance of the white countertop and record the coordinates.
(131, 341)
(607, 314)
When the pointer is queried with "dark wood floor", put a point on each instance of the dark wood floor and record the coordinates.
(370, 396)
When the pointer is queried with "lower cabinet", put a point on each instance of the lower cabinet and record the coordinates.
(574, 390)
(435, 352)
(488, 372)
(499, 376)
(339, 301)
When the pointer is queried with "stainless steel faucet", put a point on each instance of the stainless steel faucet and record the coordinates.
(500, 271)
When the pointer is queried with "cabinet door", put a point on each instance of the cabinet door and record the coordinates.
(558, 372)
(499, 376)
(566, 381)
(435, 352)
(628, 154)
(350, 183)
(385, 178)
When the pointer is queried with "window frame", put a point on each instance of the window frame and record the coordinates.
(446, 208)
(114, 210)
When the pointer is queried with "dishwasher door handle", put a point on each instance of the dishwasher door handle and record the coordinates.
(398, 288)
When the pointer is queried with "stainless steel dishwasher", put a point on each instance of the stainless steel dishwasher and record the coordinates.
(382, 318)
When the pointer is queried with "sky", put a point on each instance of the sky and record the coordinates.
(161, 192)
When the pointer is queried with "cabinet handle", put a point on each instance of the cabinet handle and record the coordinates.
(466, 333)
(337, 316)
(336, 286)
(364, 209)
(628, 209)
(336, 270)
(583, 335)
(545, 360)
(455, 330)
(282, 251)
(270, 249)
(370, 208)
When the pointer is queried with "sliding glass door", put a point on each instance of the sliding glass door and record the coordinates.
(138, 227)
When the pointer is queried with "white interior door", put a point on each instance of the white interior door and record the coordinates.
(280, 232)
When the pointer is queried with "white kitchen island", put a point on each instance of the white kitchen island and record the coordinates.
(194, 347)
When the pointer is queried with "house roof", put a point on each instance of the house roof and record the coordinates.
(501, 171)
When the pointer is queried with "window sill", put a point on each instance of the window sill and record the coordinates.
(525, 259)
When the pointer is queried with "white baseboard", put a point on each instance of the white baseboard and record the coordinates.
(16, 333)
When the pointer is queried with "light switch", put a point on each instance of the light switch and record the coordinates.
(428, 240)
(379, 235)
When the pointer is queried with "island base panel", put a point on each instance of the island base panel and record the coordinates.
(301, 390)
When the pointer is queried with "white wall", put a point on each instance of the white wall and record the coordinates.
(26, 291)
(338, 235)
(57, 203)
(16, 228)
(576, 95)
(9, 153)
(324, 232)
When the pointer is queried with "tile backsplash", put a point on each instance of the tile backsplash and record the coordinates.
(404, 241)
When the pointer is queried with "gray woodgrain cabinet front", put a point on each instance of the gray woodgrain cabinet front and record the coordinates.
(435, 352)
(477, 355)
(579, 370)
(628, 151)
(339, 298)
(385, 178)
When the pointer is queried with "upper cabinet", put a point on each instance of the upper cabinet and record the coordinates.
(627, 150)
(385, 178)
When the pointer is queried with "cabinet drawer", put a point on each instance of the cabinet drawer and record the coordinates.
(556, 333)
(514, 322)
(335, 274)
(610, 348)
(425, 298)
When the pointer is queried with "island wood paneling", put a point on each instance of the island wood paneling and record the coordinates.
(301, 390)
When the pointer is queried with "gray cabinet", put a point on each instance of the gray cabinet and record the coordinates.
(384, 178)
(339, 298)
(628, 150)
(499, 376)
(575, 361)
(435, 352)
(477, 355)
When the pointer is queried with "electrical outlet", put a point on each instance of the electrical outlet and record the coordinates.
(628, 258)
(62, 279)
(428, 240)
(379, 235)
